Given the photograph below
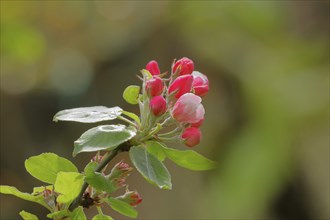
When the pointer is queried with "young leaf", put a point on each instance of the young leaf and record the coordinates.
(78, 214)
(122, 207)
(97, 180)
(132, 116)
(102, 217)
(26, 196)
(45, 166)
(68, 184)
(40, 189)
(88, 114)
(104, 137)
(28, 216)
(189, 159)
(63, 214)
(131, 94)
(150, 167)
(155, 148)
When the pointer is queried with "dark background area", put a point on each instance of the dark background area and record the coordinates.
(267, 112)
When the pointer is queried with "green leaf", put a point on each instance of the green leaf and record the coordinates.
(28, 216)
(104, 137)
(26, 196)
(131, 94)
(78, 214)
(97, 180)
(68, 184)
(150, 167)
(88, 114)
(59, 214)
(45, 166)
(132, 116)
(189, 159)
(102, 217)
(155, 148)
(122, 207)
(40, 189)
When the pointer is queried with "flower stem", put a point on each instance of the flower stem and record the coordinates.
(126, 120)
(170, 133)
(122, 147)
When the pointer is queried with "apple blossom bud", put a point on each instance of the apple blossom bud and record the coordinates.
(181, 85)
(188, 108)
(186, 66)
(153, 67)
(154, 86)
(158, 105)
(131, 197)
(118, 182)
(191, 136)
(197, 124)
(200, 84)
(120, 170)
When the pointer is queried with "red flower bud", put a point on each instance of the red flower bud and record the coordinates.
(181, 85)
(158, 105)
(197, 124)
(200, 83)
(186, 66)
(191, 136)
(154, 86)
(153, 67)
(131, 197)
(188, 109)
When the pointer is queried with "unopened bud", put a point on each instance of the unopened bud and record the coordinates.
(158, 105)
(181, 85)
(200, 83)
(153, 67)
(188, 108)
(191, 136)
(185, 66)
(120, 170)
(154, 86)
(131, 197)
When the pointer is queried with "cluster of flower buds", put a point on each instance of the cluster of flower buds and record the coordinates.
(119, 173)
(174, 101)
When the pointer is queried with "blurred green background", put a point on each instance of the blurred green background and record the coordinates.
(267, 113)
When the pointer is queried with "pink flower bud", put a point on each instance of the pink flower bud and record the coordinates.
(154, 86)
(186, 66)
(200, 83)
(188, 108)
(120, 170)
(131, 197)
(158, 105)
(153, 67)
(181, 85)
(197, 124)
(191, 136)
